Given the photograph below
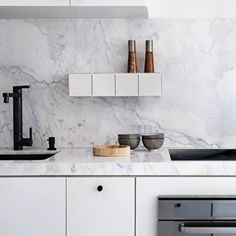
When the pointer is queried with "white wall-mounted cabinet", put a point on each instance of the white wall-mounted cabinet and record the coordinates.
(150, 84)
(126, 3)
(120, 85)
(32, 206)
(34, 3)
(103, 85)
(80, 85)
(127, 85)
(191, 8)
(111, 8)
(73, 8)
(107, 212)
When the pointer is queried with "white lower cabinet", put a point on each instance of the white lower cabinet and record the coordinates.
(100, 206)
(32, 206)
(149, 188)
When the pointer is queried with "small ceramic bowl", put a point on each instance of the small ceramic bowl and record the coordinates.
(153, 136)
(129, 136)
(153, 141)
(131, 140)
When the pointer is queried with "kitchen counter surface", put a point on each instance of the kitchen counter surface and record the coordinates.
(80, 162)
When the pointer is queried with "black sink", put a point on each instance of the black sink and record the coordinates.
(26, 156)
(202, 154)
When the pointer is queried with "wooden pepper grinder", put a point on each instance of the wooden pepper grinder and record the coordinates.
(132, 59)
(149, 61)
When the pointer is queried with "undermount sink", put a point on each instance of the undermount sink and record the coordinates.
(26, 155)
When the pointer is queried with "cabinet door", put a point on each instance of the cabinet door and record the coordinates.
(32, 206)
(103, 85)
(149, 188)
(100, 206)
(80, 85)
(150, 84)
(127, 85)
(34, 3)
(108, 3)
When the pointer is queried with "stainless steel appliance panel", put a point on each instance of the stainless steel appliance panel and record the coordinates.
(180, 228)
(182, 209)
(197, 216)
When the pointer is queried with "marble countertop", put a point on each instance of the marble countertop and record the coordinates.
(80, 162)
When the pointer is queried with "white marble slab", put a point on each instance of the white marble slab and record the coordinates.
(80, 162)
(197, 59)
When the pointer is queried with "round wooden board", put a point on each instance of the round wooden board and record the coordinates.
(111, 151)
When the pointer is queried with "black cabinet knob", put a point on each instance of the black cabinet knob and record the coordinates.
(100, 188)
(178, 205)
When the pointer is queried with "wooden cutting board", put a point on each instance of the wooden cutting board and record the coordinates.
(111, 151)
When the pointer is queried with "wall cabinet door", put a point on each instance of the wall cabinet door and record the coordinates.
(80, 85)
(103, 85)
(149, 188)
(32, 206)
(100, 206)
(34, 3)
(150, 84)
(127, 85)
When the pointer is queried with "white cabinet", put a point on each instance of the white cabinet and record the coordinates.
(119, 85)
(32, 206)
(111, 8)
(34, 3)
(107, 212)
(127, 85)
(115, 3)
(150, 84)
(148, 189)
(103, 85)
(80, 85)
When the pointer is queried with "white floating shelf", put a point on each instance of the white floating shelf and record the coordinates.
(115, 85)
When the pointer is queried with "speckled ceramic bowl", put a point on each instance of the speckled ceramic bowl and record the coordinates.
(131, 140)
(153, 136)
(153, 141)
(133, 136)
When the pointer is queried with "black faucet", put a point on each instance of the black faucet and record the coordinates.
(19, 141)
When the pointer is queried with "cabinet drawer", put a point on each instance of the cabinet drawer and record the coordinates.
(100, 206)
(150, 84)
(80, 85)
(127, 85)
(103, 85)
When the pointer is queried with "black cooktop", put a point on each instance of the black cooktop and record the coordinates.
(203, 154)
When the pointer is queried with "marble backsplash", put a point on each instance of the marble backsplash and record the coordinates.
(197, 59)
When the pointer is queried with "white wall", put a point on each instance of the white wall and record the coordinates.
(192, 8)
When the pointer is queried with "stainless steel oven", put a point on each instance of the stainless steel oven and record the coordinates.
(197, 216)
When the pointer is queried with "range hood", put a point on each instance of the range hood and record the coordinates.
(77, 9)
(112, 8)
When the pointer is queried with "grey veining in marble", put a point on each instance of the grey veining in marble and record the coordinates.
(197, 59)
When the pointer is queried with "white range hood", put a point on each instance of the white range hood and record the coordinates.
(73, 9)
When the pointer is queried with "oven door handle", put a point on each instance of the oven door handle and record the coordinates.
(207, 228)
